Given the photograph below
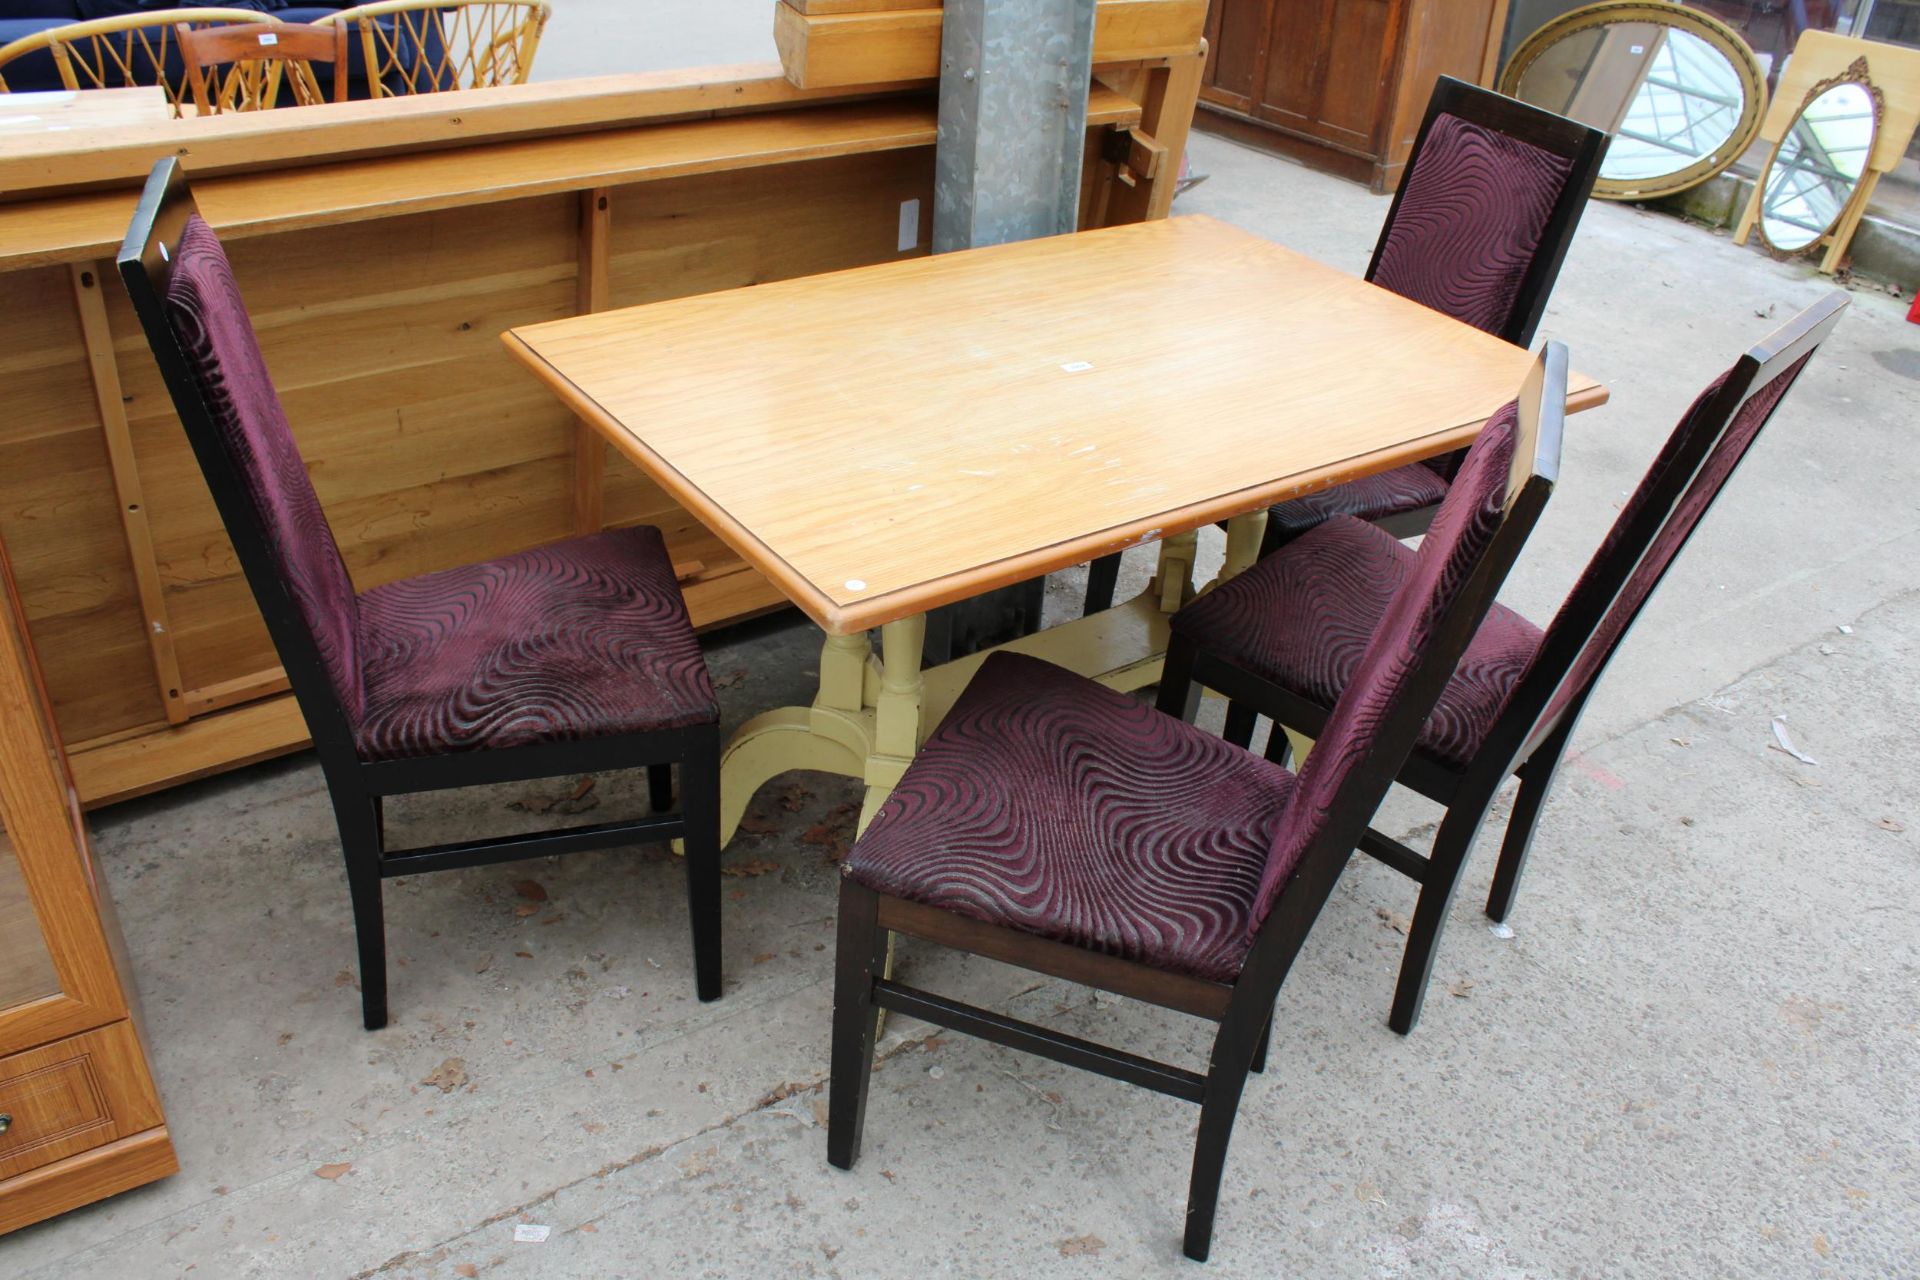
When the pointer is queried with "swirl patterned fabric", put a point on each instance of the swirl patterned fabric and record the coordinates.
(250, 426)
(1052, 805)
(582, 639)
(1462, 530)
(1374, 497)
(1474, 208)
(1302, 617)
(1679, 526)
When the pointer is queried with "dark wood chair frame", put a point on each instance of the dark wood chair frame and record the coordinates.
(359, 787)
(1243, 1009)
(1586, 147)
(225, 46)
(1524, 742)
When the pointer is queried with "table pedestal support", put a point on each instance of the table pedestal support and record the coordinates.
(872, 712)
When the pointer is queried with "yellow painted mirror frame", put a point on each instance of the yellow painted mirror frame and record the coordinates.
(1743, 68)
(1791, 146)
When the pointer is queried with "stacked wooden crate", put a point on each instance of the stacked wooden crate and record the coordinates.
(831, 43)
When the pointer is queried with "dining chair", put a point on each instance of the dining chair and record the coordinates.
(1285, 639)
(577, 657)
(242, 68)
(429, 46)
(122, 51)
(1492, 194)
(1055, 824)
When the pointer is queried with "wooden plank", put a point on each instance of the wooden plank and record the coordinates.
(1166, 114)
(88, 281)
(589, 450)
(335, 131)
(232, 693)
(83, 1179)
(1087, 346)
(120, 770)
(78, 112)
(823, 50)
(88, 226)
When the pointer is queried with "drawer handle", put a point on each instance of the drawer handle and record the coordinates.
(6, 1122)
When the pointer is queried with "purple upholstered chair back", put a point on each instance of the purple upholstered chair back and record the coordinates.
(1684, 508)
(217, 339)
(1463, 530)
(1474, 211)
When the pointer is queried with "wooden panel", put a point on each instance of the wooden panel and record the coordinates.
(823, 51)
(60, 519)
(1449, 38)
(1236, 45)
(1206, 323)
(83, 1179)
(1353, 85)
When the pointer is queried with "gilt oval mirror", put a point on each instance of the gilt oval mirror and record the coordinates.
(1680, 93)
(1815, 168)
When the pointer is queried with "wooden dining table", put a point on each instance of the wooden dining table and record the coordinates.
(882, 441)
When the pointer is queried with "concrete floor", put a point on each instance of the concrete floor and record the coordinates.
(1695, 1057)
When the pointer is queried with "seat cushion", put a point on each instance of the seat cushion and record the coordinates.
(1049, 804)
(581, 639)
(1302, 617)
(1374, 497)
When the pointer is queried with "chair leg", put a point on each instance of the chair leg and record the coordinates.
(1179, 696)
(1260, 1053)
(660, 787)
(858, 960)
(1536, 779)
(1451, 844)
(1241, 720)
(1103, 576)
(700, 811)
(361, 822)
(1233, 1055)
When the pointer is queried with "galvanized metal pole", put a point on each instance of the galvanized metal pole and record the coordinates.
(1013, 128)
(1013, 120)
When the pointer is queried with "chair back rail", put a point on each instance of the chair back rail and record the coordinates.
(242, 68)
(1453, 617)
(1580, 147)
(1686, 478)
(146, 263)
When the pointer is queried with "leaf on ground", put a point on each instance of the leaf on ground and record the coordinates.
(733, 678)
(332, 1172)
(531, 890)
(448, 1076)
(1081, 1246)
(466, 1269)
(1893, 825)
(524, 955)
(754, 825)
(1393, 920)
(751, 867)
(793, 797)
(484, 963)
(525, 909)
(1462, 988)
(763, 957)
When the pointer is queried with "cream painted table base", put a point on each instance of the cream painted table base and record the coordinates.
(873, 711)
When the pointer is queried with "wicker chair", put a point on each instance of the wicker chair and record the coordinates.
(132, 49)
(429, 46)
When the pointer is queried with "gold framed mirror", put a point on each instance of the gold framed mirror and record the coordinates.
(1679, 92)
(1815, 170)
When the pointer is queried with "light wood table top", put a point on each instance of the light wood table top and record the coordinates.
(885, 440)
(63, 110)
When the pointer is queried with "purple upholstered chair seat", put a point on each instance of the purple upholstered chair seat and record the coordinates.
(1052, 805)
(1301, 619)
(582, 639)
(1413, 487)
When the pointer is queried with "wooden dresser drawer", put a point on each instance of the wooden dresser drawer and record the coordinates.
(72, 1096)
